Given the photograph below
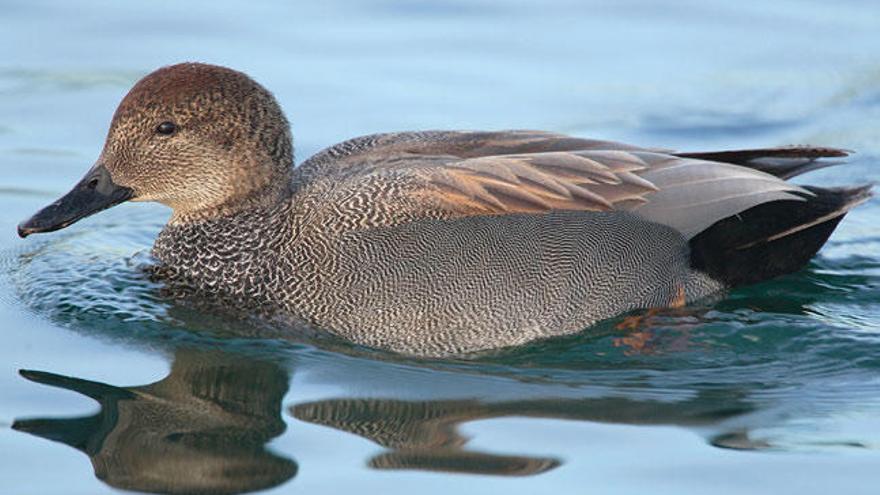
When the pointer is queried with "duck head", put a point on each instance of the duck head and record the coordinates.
(202, 139)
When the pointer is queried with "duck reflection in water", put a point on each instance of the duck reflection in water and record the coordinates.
(204, 428)
(201, 429)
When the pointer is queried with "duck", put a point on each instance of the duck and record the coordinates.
(439, 243)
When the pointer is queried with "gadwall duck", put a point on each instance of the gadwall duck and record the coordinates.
(442, 242)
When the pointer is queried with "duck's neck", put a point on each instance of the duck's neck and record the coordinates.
(271, 195)
(230, 252)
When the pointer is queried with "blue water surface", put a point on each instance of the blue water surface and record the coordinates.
(772, 389)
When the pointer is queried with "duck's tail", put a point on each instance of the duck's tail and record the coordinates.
(778, 237)
(785, 162)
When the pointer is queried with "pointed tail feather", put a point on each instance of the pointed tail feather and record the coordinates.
(785, 162)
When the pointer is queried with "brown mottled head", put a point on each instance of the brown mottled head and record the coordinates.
(202, 139)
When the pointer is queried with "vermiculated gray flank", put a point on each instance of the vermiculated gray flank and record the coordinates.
(441, 242)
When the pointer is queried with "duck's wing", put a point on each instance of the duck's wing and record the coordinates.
(380, 150)
(438, 174)
(686, 194)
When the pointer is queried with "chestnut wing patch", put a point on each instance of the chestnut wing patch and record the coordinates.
(539, 182)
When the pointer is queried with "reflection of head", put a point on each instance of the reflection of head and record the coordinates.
(202, 429)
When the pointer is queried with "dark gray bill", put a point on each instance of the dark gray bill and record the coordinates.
(95, 192)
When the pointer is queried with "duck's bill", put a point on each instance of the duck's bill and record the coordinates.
(95, 192)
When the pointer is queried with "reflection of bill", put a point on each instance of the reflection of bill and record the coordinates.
(202, 429)
(424, 435)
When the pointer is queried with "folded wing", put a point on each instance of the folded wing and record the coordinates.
(686, 194)
(451, 174)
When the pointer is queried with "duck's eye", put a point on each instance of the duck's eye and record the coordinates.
(166, 128)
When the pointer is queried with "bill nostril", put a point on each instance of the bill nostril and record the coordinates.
(92, 184)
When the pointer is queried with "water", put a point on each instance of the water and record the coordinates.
(774, 389)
